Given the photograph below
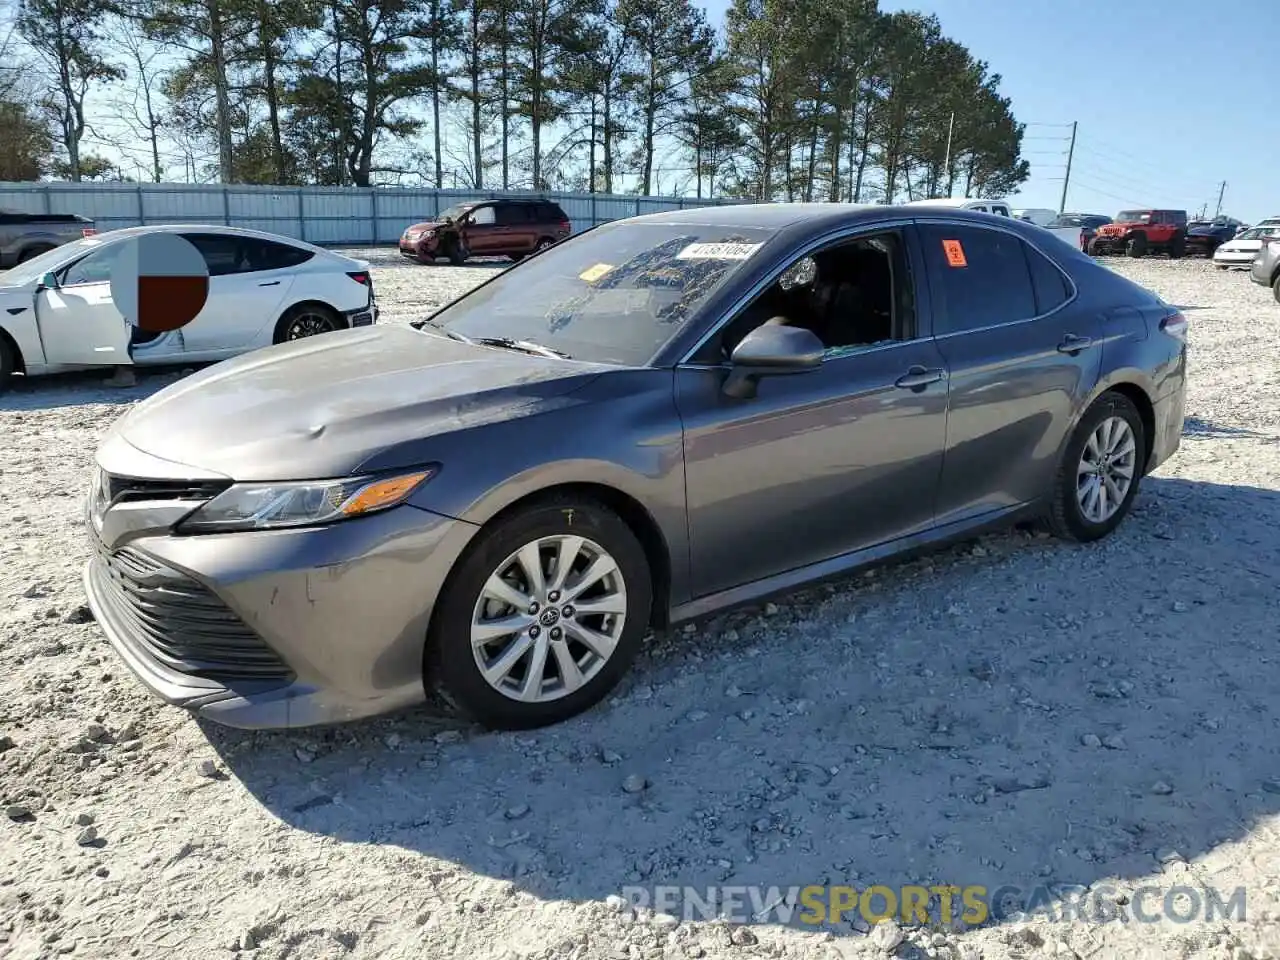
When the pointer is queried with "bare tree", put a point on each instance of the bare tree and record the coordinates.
(138, 107)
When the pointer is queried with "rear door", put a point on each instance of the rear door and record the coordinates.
(79, 323)
(513, 227)
(247, 286)
(1022, 356)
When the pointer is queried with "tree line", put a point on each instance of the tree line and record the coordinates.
(789, 100)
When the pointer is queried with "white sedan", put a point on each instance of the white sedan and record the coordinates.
(1240, 251)
(56, 311)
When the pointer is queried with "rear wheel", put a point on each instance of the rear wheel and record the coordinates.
(1101, 469)
(1177, 247)
(542, 616)
(1136, 245)
(32, 253)
(543, 244)
(307, 320)
(1275, 287)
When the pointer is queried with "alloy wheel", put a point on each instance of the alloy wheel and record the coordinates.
(309, 324)
(1106, 469)
(548, 618)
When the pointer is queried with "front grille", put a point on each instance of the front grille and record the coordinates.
(126, 489)
(181, 623)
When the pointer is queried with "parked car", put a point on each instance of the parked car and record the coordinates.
(652, 421)
(1265, 268)
(1139, 232)
(999, 208)
(1041, 216)
(56, 311)
(491, 228)
(1086, 223)
(27, 235)
(1205, 236)
(1240, 251)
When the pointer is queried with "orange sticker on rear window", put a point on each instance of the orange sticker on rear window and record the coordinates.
(955, 253)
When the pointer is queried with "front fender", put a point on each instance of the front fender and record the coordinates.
(23, 329)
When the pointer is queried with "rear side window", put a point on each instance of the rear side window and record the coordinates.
(511, 214)
(552, 213)
(982, 274)
(221, 253)
(1050, 286)
(267, 255)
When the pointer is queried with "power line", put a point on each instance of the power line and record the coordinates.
(1112, 196)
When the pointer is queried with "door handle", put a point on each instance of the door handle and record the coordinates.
(269, 283)
(917, 378)
(1072, 344)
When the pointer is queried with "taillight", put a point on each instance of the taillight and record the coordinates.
(361, 277)
(88, 232)
(1175, 325)
(565, 226)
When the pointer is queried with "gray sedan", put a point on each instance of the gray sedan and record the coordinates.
(649, 422)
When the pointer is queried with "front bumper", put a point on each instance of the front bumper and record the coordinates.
(278, 629)
(1258, 273)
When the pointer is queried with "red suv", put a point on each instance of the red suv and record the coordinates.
(1139, 232)
(487, 228)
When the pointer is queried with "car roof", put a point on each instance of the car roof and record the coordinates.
(779, 216)
(111, 236)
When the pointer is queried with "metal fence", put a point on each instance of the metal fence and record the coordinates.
(321, 215)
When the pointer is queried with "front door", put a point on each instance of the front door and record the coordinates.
(479, 230)
(824, 462)
(1023, 359)
(79, 323)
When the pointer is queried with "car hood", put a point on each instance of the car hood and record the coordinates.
(425, 225)
(322, 406)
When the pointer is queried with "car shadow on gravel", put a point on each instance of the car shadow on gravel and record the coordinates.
(1013, 711)
(85, 388)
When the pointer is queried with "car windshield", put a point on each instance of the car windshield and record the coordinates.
(612, 295)
(454, 212)
(1133, 216)
(37, 267)
(1259, 233)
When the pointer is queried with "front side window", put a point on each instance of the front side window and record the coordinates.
(482, 217)
(613, 295)
(95, 268)
(852, 294)
(983, 276)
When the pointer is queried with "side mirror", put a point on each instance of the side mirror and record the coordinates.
(770, 350)
(47, 282)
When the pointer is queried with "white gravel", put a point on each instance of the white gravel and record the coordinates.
(1016, 711)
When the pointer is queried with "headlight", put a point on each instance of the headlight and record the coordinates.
(271, 506)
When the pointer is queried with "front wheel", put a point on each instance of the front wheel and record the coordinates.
(8, 365)
(1136, 245)
(1275, 287)
(542, 616)
(1101, 469)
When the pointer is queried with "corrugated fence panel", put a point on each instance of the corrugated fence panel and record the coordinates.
(323, 215)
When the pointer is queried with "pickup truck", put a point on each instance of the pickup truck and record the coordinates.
(27, 235)
(1068, 235)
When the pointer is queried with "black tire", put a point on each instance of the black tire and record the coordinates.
(1136, 245)
(1095, 249)
(542, 244)
(32, 252)
(1275, 287)
(425, 258)
(1066, 518)
(307, 320)
(1177, 247)
(450, 667)
(8, 364)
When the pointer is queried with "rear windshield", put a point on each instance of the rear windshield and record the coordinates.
(615, 294)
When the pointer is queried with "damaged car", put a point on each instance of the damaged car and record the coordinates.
(655, 420)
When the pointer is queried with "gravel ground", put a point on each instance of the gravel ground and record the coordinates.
(1014, 711)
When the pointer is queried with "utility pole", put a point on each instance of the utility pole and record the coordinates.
(1221, 191)
(1066, 180)
(946, 165)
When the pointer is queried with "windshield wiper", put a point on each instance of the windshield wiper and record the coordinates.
(528, 346)
(451, 334)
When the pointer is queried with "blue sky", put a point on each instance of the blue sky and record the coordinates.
(1172, 97)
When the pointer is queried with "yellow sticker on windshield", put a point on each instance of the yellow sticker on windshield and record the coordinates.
(592, 274)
